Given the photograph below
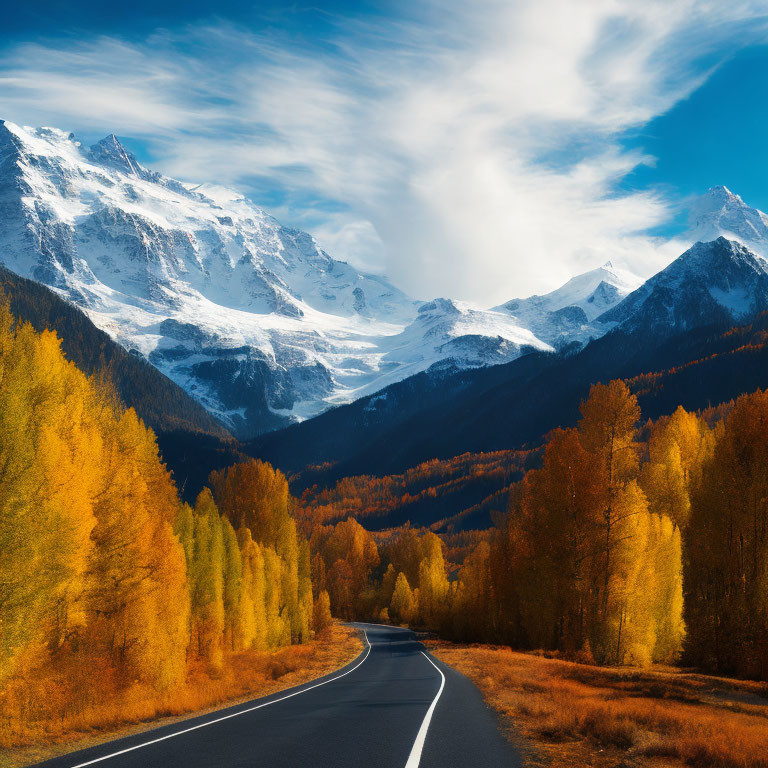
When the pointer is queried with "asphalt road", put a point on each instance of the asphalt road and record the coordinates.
(393, 707)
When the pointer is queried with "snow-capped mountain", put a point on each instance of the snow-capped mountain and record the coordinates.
(720, 212)
(568, 314)
(449, 333)
(250, 317)
(710, 282)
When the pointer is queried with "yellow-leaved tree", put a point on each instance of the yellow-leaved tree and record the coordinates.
(49, 445)
(402, 608)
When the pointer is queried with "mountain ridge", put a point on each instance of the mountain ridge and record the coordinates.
(251, 318)
(718, 280)
(512, 406)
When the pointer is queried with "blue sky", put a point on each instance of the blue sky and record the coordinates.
(479, 150)
(715, 136)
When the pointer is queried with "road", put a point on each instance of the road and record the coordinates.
(395, 706)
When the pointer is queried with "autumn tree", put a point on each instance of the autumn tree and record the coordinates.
(206, 572)
(403, 606)
(253, 631)
(433, 581)
(471, 605)
(107, 581)
(349, 554)
(91, 568)
(255, 495)
(555, 530)
(581, 561)
(678, 446)
(232, 585)
(46, 510)
(726, 548)
(321, 618)
(137, 597)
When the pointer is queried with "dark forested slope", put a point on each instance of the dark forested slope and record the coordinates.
(513, 406)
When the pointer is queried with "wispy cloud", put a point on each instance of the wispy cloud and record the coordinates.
(471, 150)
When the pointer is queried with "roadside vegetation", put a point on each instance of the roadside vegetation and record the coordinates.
(246, 675)
(627, 546)
(119, 602)
(565, 713)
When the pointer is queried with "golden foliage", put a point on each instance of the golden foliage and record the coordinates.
(107, 583)
(726, 543)
(246, 675)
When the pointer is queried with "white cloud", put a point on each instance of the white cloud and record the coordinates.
(436, 138)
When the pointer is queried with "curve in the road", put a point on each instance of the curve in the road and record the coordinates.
(393, 706)
(234, 714)
(415, 757)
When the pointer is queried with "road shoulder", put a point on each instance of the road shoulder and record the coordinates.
(331, 654)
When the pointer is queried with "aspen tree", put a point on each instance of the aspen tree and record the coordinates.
(254, 591)
(433, 581)
(208, 580)
(233, 584)
(607, 430)
(401, 608)
(321, 619)
(677, 449)
(45, 513)
(726, 548)
(470, 604)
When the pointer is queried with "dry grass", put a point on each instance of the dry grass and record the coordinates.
(246, 676)
(577, 715)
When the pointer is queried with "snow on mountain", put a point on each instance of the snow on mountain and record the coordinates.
(250, 317)
(723, 276)
(568, 313)
(720, 212)
(454, 334)
(710, 282)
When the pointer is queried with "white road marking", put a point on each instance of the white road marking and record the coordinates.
(234, 714)
(415, 757)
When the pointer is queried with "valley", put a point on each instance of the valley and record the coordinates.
(383, 384)
(300, 441)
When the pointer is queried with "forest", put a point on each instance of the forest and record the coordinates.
(451, 493)
(108, 582)
(631, 543)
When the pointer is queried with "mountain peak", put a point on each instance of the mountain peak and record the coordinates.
(721, 190)
(719, 246)
(112, 142)
(243, 312)
(720, 212)
(111, 153)
(720, 197)
(716, 281)
(710, 260)
(439, 306)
